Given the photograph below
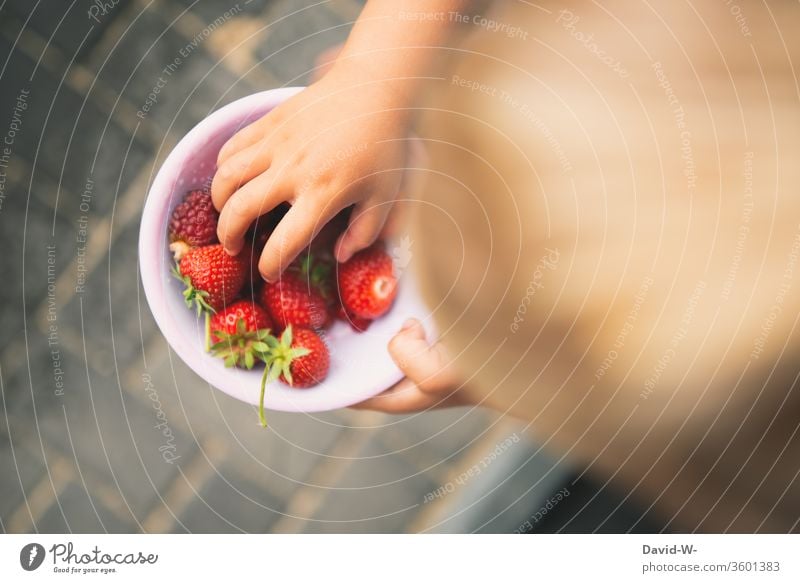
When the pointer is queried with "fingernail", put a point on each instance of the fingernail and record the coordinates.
(231, 250)
(408, 324)
(342, 253)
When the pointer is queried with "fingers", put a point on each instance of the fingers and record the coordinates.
(366, 223)
(429, 383)
(255, 198)
(238, 170)
(410, 351)
(292, 235)
(427, 366)
(396, 221)
(244, 138)
(404, 397)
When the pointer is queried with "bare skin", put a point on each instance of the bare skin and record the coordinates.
(430, 381)
(340, 142)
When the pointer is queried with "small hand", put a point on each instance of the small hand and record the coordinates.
(340, 142)
(430, 380)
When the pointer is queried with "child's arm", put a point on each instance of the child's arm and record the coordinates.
(430, 380)
(340, 142)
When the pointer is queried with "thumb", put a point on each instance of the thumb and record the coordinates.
(419, 361)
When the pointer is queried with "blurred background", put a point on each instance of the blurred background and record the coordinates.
(103, 428)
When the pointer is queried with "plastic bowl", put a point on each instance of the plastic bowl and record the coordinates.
(360, 363)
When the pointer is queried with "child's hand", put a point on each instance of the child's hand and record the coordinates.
(339, 142)
(430, 381)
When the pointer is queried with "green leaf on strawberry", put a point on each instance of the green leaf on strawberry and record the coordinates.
(194, 298)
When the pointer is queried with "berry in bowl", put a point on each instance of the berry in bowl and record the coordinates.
(314, 340)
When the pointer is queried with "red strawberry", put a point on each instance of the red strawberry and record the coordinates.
(238, 332)
(254, 317)
(367, 284)
(330, 232)
(212, 277)
(260, 231)
(253, 281)
(296, 299)
(299, 358)
(302, 358)
(356, 323)
(193, 223)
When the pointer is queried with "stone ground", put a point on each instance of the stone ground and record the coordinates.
(79, 446)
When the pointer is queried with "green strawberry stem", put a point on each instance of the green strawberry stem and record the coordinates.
(194, 298)
(261, 417)
(242, 347)
(276, 354)
(271, 372)
(278, 358)
(317, 273)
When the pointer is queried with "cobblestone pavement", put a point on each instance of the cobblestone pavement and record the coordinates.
(80, 446)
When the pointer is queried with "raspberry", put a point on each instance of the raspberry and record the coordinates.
(194, 220)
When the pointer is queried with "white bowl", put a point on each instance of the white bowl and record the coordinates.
(360, 363)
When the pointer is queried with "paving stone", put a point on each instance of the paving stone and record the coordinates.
(43, 188)
(113, 434)
(25, 234)
(437, 438)
(499, 500)
(19, 475)
(134, 66)
(291, 47)
(294, 445)
(278, 458)
(210, 10)
(101, 167)
(379, 492)
(15, 72)
(70, 138)
(594, 506)
(63, 170)
(101, 162)
(230, 502)
(37, 376)
(106, 311)
(70, 27)
(80, 514)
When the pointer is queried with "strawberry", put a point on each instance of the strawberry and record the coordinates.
(253, 280)
(318, 269)
(238, 332)
(212, 277)
(356, 323)
(367, 284)
(299, 358)
(260, 231)
(193, 223)
(255, 317)
(331, 231)
(299, 297)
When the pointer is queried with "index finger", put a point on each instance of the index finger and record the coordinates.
(294, 233)
(245, 137)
